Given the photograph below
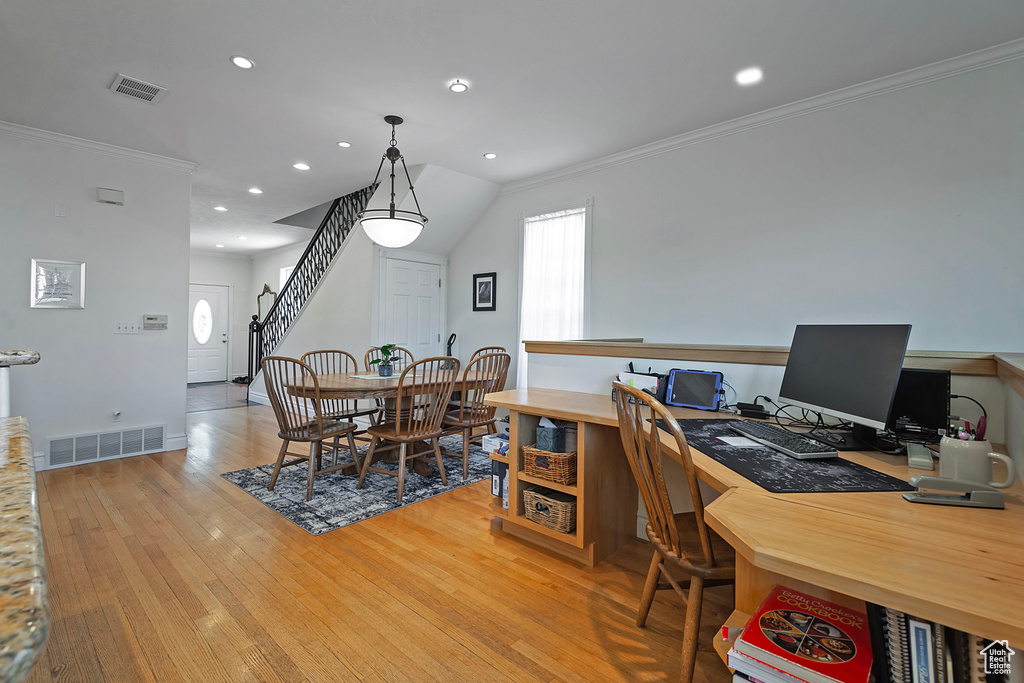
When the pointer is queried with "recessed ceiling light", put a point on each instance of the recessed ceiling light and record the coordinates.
(749, 76)
(458, 86)
(242, 62)
(242, 237)
(344, 144)
(220, 208)
(490, 155)
(255, 190)
(219, 246)
(301, 166)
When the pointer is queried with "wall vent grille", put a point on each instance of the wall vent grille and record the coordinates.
(136, 89)
(71, 450)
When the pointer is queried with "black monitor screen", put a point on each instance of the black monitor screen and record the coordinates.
(847, 371)
(921, 403)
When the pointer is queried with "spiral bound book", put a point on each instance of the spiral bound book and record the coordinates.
(895, 626)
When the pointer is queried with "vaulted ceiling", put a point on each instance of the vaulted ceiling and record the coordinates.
(551, 83)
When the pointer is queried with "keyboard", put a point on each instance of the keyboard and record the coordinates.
(793, 445)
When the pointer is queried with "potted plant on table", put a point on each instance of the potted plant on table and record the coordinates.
(384, 367)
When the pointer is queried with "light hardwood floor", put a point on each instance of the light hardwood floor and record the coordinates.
(160, 570)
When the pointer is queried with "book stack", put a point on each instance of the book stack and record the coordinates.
(795, 638)
(913, 650)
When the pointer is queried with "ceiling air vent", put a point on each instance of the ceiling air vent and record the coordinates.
(136, 89)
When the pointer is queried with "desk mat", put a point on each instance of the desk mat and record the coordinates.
(779, 473)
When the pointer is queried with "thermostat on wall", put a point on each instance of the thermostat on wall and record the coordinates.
(154, 322)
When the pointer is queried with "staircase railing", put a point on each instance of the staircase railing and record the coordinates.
(325, 245)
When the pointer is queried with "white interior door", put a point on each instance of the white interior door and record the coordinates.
(412, 307)
(207, 333)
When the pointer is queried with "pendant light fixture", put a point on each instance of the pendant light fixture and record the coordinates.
(393, 227)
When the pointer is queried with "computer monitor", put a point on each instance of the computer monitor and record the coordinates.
(920, 408)
(846, 371)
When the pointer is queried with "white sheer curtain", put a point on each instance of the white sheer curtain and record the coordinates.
(553, 280)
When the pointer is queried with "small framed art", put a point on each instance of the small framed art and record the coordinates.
(483, 291)
(57, 284)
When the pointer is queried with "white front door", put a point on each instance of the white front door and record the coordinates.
(412, 307)
(207, 333)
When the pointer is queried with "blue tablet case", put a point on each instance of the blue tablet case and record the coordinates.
(694, 389)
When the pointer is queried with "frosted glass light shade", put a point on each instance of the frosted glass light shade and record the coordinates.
(391, 232)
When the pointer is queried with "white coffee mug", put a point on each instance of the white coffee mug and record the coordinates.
(972, 461)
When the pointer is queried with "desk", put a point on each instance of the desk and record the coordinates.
(961, 567)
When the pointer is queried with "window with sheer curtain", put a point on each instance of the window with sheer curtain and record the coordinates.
(553, 304)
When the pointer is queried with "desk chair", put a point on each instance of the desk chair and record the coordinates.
(423, 392)
(680, 539)
(335, 362)
(299, 419)
(470, 411)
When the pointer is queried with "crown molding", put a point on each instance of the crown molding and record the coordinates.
(36, 134)
(972, 61)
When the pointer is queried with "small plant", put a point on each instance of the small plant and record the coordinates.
(384, 367)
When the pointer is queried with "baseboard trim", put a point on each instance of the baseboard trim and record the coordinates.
(177, 442)
(259, 397)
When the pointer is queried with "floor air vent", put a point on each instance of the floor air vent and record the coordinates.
(71, 450)
(136, 89)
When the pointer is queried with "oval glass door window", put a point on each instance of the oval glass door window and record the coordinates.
(202, 321)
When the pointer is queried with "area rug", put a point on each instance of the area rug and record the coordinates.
(336, 501)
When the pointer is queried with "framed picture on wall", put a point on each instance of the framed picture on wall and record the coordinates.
(483, 291)
(57, 284)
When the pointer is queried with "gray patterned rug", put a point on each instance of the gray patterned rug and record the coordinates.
(336, 502)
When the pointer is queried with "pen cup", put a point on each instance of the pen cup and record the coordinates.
(972, 461)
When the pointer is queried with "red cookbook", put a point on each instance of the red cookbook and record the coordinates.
(813, 639)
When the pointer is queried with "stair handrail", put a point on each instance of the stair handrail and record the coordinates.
(327, 242)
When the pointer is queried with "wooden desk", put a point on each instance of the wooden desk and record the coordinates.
(961, 567)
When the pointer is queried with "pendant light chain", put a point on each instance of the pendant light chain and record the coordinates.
(393, 227)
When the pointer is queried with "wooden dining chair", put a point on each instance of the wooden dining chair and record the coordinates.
(488, 372)
(486, 349)
(401, 359)
(330, 362)
(456, 395)
(302, 420)
(423, 392)
(680, 539)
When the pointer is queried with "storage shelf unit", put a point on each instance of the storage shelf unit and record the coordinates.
(606, 496)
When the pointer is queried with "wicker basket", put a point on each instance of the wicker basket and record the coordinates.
(557, 467)
(553, 509)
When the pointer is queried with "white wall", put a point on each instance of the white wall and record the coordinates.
(137, 260)
(337, 316)
(266, 268)
(236, 271)
(902, 207)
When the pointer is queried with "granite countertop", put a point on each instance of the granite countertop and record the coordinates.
(24, 609)
(18, 358)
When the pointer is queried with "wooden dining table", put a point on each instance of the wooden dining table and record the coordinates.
(367, 385)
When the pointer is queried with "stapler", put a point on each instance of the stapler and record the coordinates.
(962, 493)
